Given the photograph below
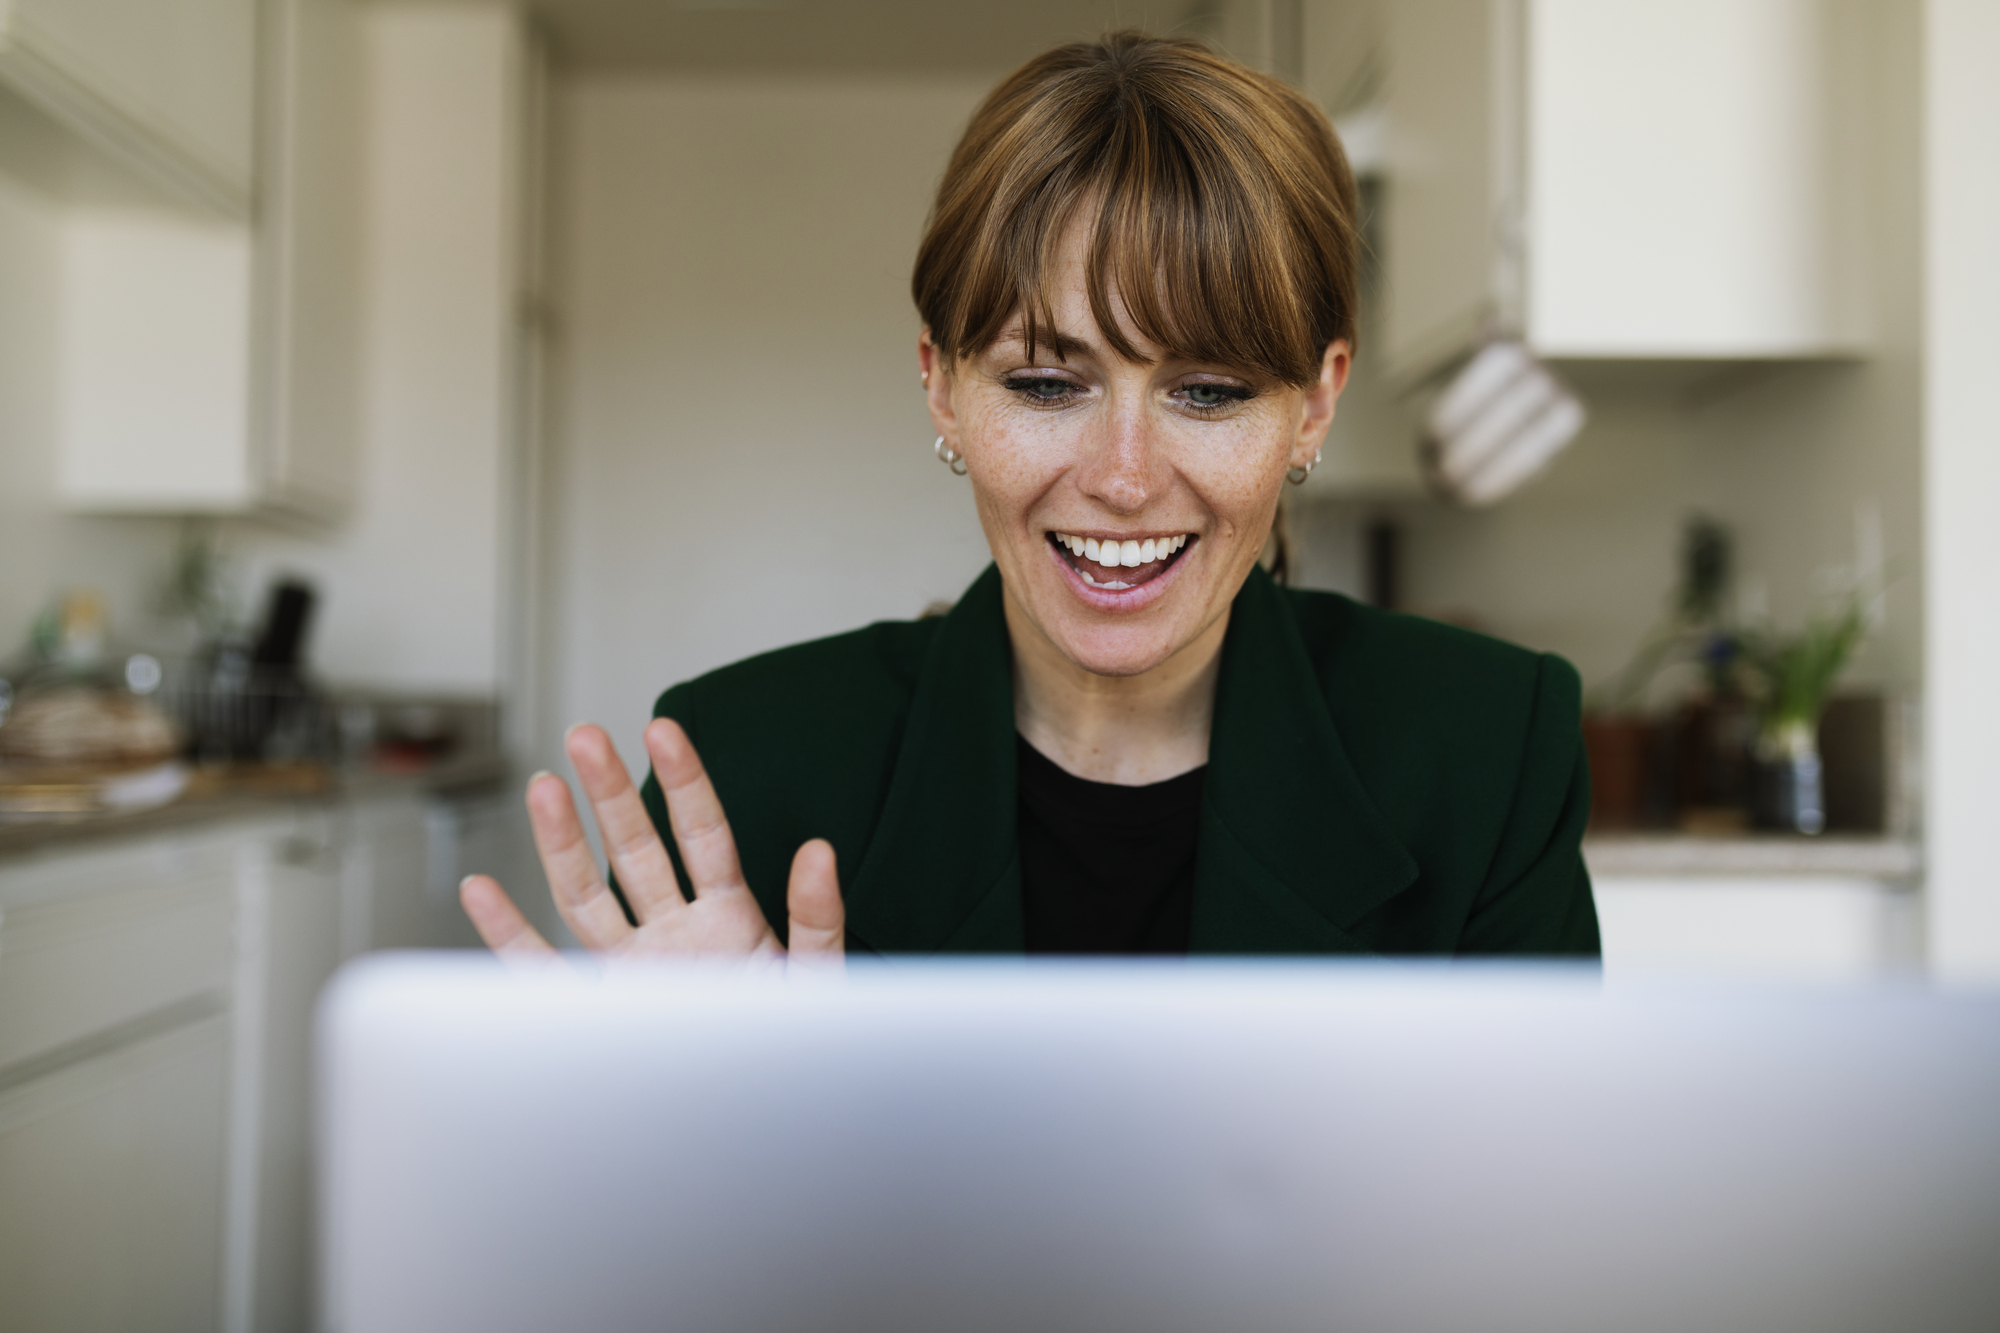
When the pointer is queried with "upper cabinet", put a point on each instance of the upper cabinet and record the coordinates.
(154, 389)
(207, 156)
(1620, 180)
(167, 86)
(307, 316)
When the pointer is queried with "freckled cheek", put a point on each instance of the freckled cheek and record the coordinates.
(1239, 483)
(1014, 463)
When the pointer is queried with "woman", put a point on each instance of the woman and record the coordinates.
(1138, 294)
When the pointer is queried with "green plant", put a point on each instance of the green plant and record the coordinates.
(1792, 675)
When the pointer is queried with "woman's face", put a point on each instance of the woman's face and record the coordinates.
(1172, 465)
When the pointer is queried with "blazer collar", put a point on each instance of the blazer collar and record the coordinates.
(940, 873)
(1292, 851)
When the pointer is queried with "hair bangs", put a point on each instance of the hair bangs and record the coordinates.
(1217, 202)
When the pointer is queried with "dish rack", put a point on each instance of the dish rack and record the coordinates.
(233, 711)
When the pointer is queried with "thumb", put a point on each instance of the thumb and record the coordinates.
(818, 928)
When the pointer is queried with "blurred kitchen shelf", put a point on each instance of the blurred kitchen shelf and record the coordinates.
(1666, 854)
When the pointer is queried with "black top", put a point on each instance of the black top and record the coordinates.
(1105, 869)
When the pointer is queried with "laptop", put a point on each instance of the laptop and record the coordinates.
(1170, 1147)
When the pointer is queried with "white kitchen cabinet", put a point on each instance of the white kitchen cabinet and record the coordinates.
(167, 86)
(97, 943)
(154, 389)
(1772, 927)
(305, 408)
(208, 354)
(289, 896)
(156, 1015)
(115, 1052)
(111, 1188)
(1627, 180)
(1759, 907)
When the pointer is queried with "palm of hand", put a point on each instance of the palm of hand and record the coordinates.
(731, 925)
(723, 919)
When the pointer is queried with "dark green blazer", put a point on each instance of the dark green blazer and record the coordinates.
(1376, 783)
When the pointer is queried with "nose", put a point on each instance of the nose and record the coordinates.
(1122, 466)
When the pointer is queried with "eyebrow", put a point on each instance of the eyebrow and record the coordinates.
(1061, 345)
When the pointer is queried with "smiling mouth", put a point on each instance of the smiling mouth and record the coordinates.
(1117, 566)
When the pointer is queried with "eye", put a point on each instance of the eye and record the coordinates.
(1207, 396)
(1043, 390)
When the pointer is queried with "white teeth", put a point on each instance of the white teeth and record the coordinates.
(1114, 554)
(1086, 577)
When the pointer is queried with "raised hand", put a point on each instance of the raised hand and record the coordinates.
(723, 919)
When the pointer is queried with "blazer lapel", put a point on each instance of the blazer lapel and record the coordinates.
(940, 873)
(1292, 851)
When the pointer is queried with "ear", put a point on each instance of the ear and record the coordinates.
(936, 371)
(1320, 400)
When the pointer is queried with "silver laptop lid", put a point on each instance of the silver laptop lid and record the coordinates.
(1151, 1147)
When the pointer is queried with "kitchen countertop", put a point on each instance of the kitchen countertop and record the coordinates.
(213, 800)
(1668, 854)
(1607, 855)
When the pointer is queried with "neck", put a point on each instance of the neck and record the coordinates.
(1131, 730)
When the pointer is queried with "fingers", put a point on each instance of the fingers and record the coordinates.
(581, 894)
(498, 921)
(708, 849)
(630, 840)
(818, 917)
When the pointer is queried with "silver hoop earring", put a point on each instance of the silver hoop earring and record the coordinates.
(1298, 475)
(949, 456)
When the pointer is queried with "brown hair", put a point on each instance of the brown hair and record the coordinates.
(1224, 209)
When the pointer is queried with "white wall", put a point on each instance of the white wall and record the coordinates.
(741, 453)
(411, 580)
(1579, 562)
(43, 550)
(1962, 480)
